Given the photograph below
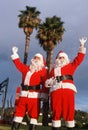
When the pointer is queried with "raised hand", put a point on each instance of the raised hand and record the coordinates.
(14, 49)
(83, 41)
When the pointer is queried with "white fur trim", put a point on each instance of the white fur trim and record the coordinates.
(30, 94)
(69, 86)
(70, 124)
(82, 50)
(33, 121)
(62, 54)
(57, 71)
(56, 123)
(14, 56)
(34, 95)
(18, 119)
(24, 93)
(27, 78)
(63, 85)
(55, 87)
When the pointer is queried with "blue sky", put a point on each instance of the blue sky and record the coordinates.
(74, 14)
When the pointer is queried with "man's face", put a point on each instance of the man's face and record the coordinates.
(36, 64)
(60, 62)
(36, 58)
(61, 59)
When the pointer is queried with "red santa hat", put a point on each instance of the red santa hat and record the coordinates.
(62, 54)
(41, 58)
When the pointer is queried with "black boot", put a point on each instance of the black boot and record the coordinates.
(32, 127)
(15, 126)
(55, 128)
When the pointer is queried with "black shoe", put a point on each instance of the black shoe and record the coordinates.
(32, 127)
(55, 128)
(15, 126)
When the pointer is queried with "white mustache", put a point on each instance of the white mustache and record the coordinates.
(59, 63)
(36, 65)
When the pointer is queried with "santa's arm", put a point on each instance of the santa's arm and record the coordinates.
(81, 53)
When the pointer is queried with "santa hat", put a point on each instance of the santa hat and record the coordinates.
(41, 58)
(62, 54)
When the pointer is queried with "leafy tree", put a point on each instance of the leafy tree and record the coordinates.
(81, 118)
(49, 35)
(78, 124)
(28, 20)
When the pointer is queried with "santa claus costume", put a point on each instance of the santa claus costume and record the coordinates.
(32, 77)
(62, 87)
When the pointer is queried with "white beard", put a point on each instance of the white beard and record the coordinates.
(36, 65)
(59, 63)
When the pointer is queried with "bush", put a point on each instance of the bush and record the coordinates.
(78, 124)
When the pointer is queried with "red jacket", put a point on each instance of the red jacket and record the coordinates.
(35, 78)
(68, 69)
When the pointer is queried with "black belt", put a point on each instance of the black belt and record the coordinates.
(26, 87)
(64, 77)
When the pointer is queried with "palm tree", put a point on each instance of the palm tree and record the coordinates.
(49, 35)
(28, 20)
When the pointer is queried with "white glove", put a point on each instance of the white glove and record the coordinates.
(50, 82)
(83, 41)
(14, 50)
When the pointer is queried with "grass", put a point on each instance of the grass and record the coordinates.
(23, 127)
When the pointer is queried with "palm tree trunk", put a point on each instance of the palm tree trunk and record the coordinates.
(26, 48)
(49, 60)
(45, 112)
(45, 119)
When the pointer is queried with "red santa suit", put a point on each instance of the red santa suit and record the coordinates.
(31, 93)
(62, 89)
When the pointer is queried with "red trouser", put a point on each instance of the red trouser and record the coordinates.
(62, 104)
(30, 105)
